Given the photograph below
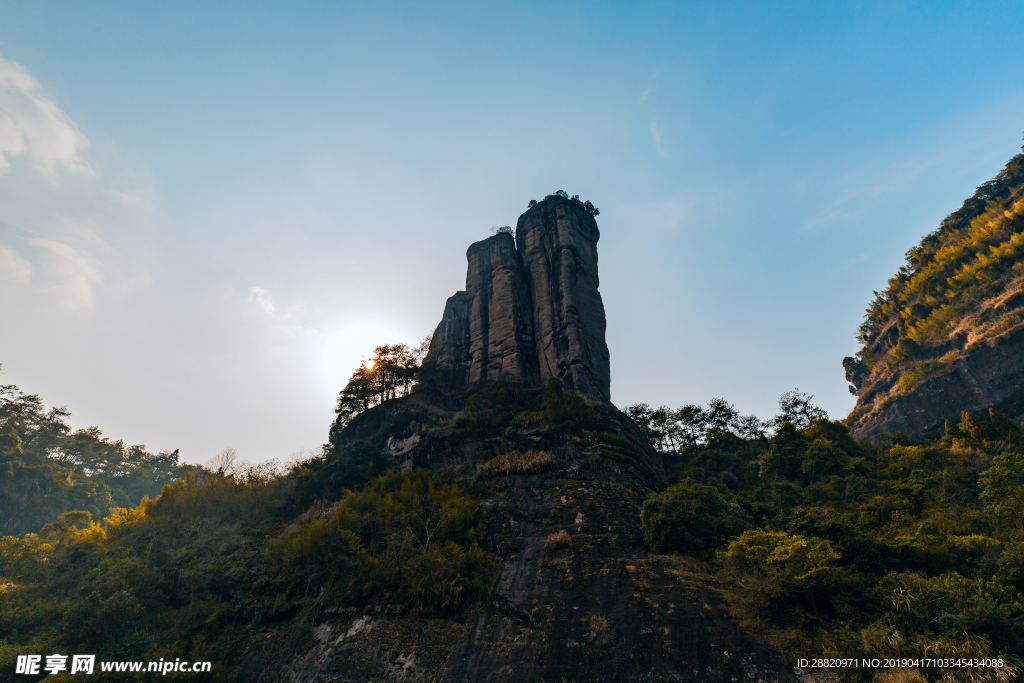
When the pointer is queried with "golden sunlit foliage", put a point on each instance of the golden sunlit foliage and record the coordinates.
(516, 462)
(959, 286)
(185, 574)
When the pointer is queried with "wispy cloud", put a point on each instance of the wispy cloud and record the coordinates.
(33, 126)
(13, 266)
(71, 272)
(261, 298)
(75, 223)
(656, 139)
(858, 259)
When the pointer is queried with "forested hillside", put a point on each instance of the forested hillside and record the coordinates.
(46, 468)
(945, 331)
(902, 549)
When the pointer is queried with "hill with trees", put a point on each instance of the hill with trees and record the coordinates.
(902, 549)
(947, 332)
(47, 469)
(573, 539)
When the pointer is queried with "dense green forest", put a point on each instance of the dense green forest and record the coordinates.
(47, 469)
(962, 285)
(904, 549)
(190, 573)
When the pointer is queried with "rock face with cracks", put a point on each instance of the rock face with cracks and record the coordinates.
(449, 347)
(531, 309)
(499, 320)
(558, 241)
(575, 596)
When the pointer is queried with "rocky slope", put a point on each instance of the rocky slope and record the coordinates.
(947, 334)
(531, 309)
(577, 598)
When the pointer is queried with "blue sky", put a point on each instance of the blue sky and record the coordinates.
(210, 211)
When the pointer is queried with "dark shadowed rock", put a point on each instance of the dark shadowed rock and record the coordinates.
(449, 347)
(500, 324)
(531, 313)
(576, 598)
(558, 242)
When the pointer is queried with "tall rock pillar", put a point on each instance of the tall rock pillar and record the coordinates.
(449, 345)
(500, 321)
(557, 240)
(486, 333)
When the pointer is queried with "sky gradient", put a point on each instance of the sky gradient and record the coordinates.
(210, 212)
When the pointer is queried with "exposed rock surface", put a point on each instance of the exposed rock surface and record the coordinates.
(947, 333)
(531, 309)
(987, 375)
(449, 347)
(558, 241)
(500, 324)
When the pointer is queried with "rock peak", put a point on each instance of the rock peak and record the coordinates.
(531, 309)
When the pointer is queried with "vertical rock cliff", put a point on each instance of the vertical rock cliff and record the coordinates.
(558, 242)
(449, 347)
(500, 324)
(531, 309)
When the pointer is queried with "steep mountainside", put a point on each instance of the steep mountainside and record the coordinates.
(577, 597)
(947, 333)
(513, 406)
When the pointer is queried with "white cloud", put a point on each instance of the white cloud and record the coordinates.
(261, 298)
(34, 127)
(78, 224)
(71, 271)
(13, 266)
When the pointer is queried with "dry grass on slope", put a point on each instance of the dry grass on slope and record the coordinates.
(516, 462)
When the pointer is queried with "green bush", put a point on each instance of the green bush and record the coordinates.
(1002, 492)
(407, 540)
(787, 578)
(822, 459)
(690, 518)
(776, 553)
